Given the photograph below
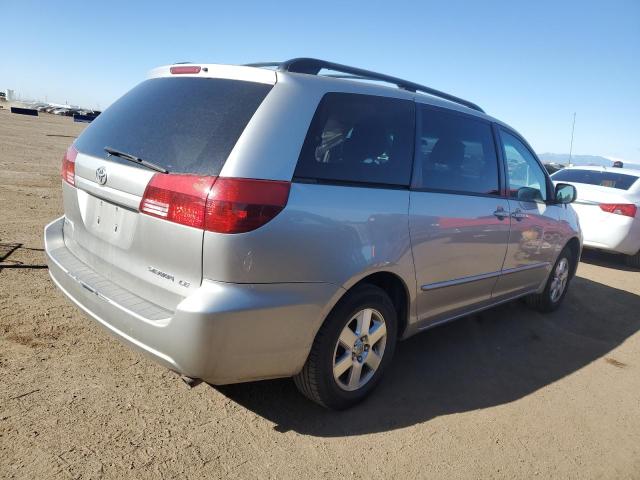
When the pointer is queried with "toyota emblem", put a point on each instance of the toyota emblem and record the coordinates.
(101, 175)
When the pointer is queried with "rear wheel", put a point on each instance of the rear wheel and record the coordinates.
(557, 284)
(633, 260)
(351, 350)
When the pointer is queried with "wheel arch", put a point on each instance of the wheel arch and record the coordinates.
(574, 246)
(397, 290)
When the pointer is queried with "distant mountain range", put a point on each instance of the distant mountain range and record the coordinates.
(563, 158)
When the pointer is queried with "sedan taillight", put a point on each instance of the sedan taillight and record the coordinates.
(626, 209)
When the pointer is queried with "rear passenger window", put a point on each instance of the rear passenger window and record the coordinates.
(456, 154)
(359, 139)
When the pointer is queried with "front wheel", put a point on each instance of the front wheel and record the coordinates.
(352, 349)
(557, 284)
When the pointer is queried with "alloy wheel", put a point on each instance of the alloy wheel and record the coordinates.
(359, 349)
(559, 281)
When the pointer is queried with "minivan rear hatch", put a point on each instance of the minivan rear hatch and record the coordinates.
(185, 125)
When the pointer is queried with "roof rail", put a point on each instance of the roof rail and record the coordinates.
(312, 66)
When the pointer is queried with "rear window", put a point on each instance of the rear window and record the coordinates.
(621, 181)
(186, 125)
(357, 138)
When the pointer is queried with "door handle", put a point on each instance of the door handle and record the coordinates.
(518, 214)
(500, 213)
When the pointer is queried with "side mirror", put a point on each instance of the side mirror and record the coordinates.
(565, 193)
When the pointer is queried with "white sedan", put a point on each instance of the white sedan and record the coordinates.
(608, 206)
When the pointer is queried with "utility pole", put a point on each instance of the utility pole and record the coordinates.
(572, 130)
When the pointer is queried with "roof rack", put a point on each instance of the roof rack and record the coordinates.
(312, 66)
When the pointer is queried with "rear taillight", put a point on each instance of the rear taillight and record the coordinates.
(185, 69)
(626, 209)
(223, 205)
(238, 205)
(69, 166)
(177, 198)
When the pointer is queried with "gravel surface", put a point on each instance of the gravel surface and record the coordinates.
(509, 393)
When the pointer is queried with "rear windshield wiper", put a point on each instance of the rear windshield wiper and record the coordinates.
(134, 159)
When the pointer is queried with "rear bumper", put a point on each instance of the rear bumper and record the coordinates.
(222, 333)
(619, 240)
(608, 231)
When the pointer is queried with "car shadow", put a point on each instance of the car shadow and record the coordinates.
(606, 259)
(476, 362)
(9, 248)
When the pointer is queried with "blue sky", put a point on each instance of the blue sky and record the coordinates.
(531, 64)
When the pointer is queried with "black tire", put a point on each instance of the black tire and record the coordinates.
(633, 260)
(543, 302)
(316, 380)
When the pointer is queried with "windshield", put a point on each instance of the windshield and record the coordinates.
(184, 125)
(621, 181)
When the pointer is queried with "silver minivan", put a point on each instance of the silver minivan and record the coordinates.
(238, 223)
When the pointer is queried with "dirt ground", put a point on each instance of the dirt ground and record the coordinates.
(509, 393)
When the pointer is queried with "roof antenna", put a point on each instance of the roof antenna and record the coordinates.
(572, 130)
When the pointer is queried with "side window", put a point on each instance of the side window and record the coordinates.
(526, 178)
(456, 153)
(359, 138)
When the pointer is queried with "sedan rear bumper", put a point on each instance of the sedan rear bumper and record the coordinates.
(222, 333)
(623, 239)
(608, 231)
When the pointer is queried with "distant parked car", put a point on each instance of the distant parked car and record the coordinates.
(553, 167)
(608, 207)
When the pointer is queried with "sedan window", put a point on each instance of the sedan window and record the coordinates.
(620, 181)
